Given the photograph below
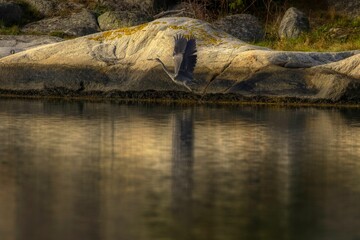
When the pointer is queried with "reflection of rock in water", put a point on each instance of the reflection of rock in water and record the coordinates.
(182, 179)
(57, 196)
(48, 208)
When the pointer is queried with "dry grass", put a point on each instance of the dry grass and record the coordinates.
(13, 30)
(329, 32)
(304, 44)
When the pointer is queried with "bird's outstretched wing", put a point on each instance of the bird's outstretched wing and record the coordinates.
(189, 59)
(179, 51)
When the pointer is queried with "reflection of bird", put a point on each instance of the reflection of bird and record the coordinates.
(184, 61)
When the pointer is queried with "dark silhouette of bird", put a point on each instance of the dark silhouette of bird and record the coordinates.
(185, 59)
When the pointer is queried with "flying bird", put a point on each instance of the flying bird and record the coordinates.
(185, 58)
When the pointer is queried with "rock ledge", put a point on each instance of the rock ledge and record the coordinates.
(116, 61)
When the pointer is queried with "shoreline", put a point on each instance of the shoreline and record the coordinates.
(115, 65)
(174, 97)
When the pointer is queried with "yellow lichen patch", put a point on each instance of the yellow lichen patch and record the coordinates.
(102, 36)
(199, 33)
(217, 34)
(132, 30)
(157, 22)
(115, 34)
(237, 46)
(205, 37)
(174, 27)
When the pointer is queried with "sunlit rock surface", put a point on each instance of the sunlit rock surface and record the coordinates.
(117, 60)
(10, 44)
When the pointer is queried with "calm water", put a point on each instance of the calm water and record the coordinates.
(99, 171)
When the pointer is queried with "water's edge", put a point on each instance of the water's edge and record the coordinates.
(176, 97)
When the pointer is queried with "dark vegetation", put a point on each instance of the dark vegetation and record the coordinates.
(330, 30)
(29, 15)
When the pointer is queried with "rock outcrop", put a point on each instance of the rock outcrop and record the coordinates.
(293, 24)
(117, 60)
(51, 8)
(243, 26)
(43, 7)
(14, 44)
(77, 24)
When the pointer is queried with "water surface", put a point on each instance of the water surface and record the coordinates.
(97, 171)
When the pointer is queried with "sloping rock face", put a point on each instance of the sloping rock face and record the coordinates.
(243, 26)
(117, 60)
(18, 43)
(77, 24)
(293, 24)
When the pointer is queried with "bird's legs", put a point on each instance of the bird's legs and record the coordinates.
(184, 84)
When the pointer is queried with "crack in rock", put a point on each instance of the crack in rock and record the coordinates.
(224, 68)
